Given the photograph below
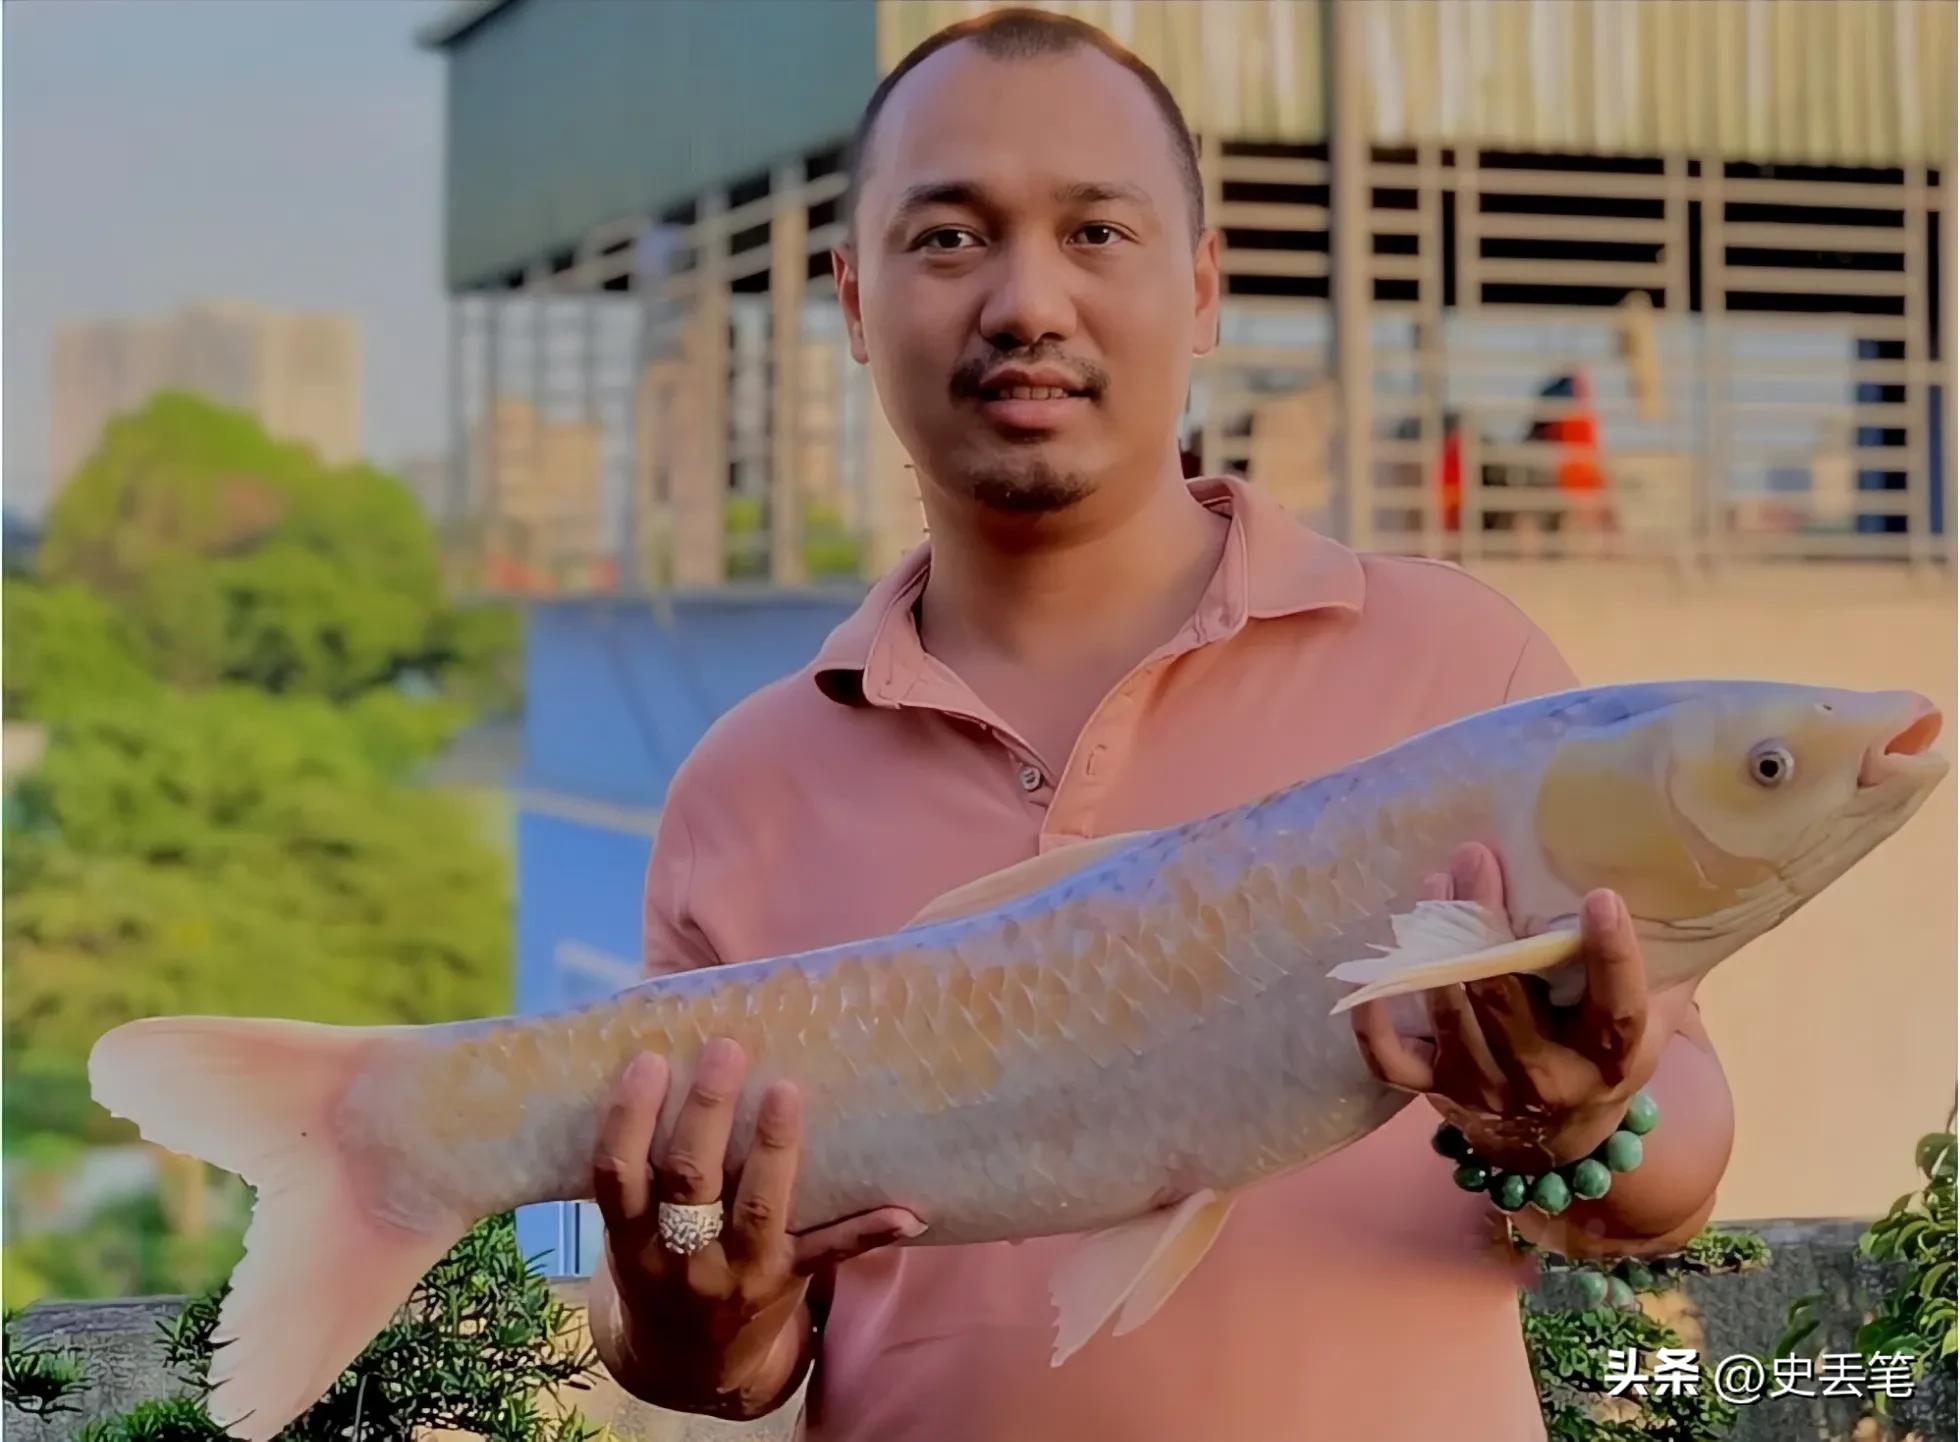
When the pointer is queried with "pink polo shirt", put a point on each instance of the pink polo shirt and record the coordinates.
(1359, 1298)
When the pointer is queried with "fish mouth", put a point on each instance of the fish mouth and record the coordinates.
(1905, 749)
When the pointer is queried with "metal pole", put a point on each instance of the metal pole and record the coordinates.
(1350, 286)
(456, 482)
(1945, 369)
(592, 526)
(1211, 375)
(490, 422)
(1919, 395)
(788, 266)
(544, 526)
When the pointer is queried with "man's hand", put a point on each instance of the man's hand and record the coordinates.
(726, 1330)
(1530, 1085)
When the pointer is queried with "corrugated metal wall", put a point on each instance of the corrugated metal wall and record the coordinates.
(1827, 82)
(563, 115)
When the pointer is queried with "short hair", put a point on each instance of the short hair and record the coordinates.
(1025, 34)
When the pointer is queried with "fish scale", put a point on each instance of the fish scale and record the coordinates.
(1211, 970)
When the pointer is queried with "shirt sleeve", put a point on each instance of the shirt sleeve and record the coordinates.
(672, 938)
(1540, 669)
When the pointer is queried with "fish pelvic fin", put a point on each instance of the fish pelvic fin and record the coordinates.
(1135, 1266)
(324, 1269)
(1444, 942)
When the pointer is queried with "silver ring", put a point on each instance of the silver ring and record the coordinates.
(685, 1229)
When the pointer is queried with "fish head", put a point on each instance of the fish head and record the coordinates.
(1716, 809)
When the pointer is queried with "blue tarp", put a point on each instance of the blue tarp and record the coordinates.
(618, 692)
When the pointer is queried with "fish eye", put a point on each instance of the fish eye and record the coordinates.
(1771, 764)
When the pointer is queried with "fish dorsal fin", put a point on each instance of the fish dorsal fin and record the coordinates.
(1135, 1266)
(1441, 942)
(1019, 879)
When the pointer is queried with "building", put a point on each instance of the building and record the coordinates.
(541, 519)
(298, 372)
(1687, 258)
(1773, 181)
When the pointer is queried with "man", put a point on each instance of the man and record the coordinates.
(1090, 644)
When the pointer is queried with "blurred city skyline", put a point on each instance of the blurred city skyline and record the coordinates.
(287, 154)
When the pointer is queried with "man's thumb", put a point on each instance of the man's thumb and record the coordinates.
(854, 1236)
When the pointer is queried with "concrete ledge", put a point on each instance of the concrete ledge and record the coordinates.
(121, 1346)
(1745, 1312)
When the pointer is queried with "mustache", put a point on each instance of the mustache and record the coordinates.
(1086, 376)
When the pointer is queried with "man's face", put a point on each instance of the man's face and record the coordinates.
(1023, 281)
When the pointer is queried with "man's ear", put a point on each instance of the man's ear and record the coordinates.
(1209, 288)
(843, 269)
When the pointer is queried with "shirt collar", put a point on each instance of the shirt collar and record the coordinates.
(1273, 566)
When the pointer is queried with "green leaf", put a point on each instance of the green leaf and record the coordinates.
(1926, 1153)
(39, 1380)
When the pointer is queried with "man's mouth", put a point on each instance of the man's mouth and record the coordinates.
(1032, 411)
(1026, 406)
(1029, 393)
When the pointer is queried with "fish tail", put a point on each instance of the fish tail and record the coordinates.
(324, 1268)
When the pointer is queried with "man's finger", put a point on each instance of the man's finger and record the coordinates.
(1520, 1043)
(854, 1236)
(690, 1169)
(760, 1214)
(1386, 1051)
(1476, 876)
(1615, 1011)
(622, 1170)
(1466, 1072)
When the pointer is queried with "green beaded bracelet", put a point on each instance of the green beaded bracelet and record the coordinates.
(1587, 1179)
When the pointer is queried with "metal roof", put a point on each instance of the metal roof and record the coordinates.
(1819, 82)
(463, 17)
(563, 116)
(566, 116)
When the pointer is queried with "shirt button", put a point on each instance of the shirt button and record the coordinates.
(1030, 778)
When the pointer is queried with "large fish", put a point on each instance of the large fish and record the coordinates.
(1111, 1039)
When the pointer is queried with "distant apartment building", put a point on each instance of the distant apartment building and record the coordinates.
(542, 504)
(298, 372)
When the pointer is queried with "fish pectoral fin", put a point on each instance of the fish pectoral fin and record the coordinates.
(1135, 1266)
(1532, 954)
(1435, 931)
(1019, 879)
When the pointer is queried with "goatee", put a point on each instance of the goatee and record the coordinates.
(1032, 488)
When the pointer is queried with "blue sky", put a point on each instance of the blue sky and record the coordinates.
(287, 152)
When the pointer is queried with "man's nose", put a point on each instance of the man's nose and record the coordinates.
(1029, 301)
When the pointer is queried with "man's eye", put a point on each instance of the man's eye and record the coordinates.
(944, 238)
(1099, 235)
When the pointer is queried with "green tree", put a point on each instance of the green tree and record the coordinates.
(66, 648)
(235, 853)
(127, 1249)
(477, 651)
(231, 556)
(482, 1347)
